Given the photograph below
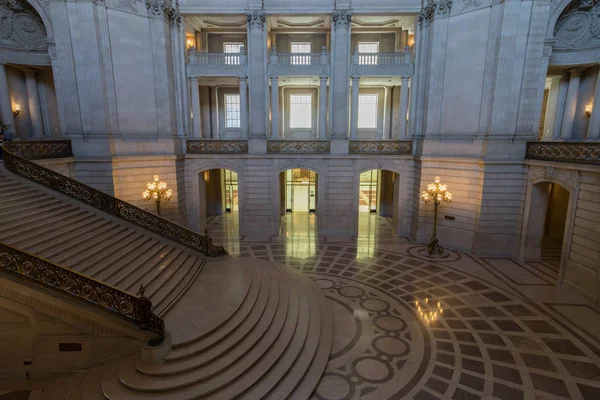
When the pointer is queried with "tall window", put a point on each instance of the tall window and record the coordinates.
(367, 111)
(232, 48)
(232, 110)
(302, 49)
(366, 52)
(300, 111)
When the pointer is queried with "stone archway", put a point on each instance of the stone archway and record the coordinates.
(536, 209)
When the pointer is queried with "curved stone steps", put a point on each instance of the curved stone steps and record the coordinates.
(248, 311)
(220, 358)
(170, 286)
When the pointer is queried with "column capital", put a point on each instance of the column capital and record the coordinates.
(341, 19)
(256, 19)
(404, 79)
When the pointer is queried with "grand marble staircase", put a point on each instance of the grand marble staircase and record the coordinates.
(251, 330)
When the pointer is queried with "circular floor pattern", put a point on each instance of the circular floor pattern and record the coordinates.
(485, 342)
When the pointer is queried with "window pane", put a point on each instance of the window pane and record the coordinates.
(367, 111)
(300, 111)
(232, 110)
(300, 47)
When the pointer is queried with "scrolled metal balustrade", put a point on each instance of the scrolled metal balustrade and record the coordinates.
(569, 152)
(16, 154)
(137, 310)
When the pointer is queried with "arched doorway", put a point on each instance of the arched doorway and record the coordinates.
(298, 202)
(378, 204)
(546, 222)
(220, 205)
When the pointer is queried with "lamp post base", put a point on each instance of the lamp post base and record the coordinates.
(434, 247)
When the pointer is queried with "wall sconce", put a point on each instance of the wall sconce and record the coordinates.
(189, 43)
(16, 109)
(588, 110)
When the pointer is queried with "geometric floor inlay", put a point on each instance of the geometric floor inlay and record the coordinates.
(487, 343)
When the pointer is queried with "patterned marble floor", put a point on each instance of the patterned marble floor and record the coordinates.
(407, 326)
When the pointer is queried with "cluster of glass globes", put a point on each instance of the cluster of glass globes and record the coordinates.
(429, 313)
(437, 192)
(157, 190)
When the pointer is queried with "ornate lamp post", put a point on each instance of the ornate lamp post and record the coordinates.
(437, 192)
(158, 191)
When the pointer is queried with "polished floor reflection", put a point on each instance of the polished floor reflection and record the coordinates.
(483, 328)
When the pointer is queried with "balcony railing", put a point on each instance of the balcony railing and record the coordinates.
(398, 63)
(301, 64)
(568, 152)
(216, 64)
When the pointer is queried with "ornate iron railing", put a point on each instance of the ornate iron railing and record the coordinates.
(569, 152)
(216, 146)
(381, 147)
(137, 310)
(298, 146)
(97, 199)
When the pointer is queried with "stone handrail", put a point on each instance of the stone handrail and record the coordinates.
(15, 160)
(569, 152)
(65, 281)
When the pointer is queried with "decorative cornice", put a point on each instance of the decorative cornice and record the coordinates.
(298, 146)
(256, 19)
(158, 8)
(342, 18)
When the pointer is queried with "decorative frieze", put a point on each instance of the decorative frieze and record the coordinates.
(381, 147)
(217, 146)
(567, 178)
(169, 8)
(578, 153)
(256, 19)
(298, 147)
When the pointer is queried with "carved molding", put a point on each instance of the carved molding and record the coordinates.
(578, 27)
(216, 146)
(159, 8)
(256, 19)
(467, 4)
(432, 9)
(341, 18)
(398, 166)
(21, 26)
(298, 146)
(567, 178)
(381, 147)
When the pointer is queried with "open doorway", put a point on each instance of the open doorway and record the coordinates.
(219, 204)
(546, 225)
(378, 204)
(298, 202)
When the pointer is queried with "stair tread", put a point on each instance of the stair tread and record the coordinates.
(104, 266)
(145, 262)
(172, 298)
(167, 284)
(72, 256)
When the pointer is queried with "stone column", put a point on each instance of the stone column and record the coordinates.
(196, 116)
(402, 131)
(257, 70)
(561, 100)
(33, 101)
(214, 112)
(387, 121)
(275, 108)
(6, 112)
(244, 107)
(570, 105)
(594, 126)
(354, 110)
(340, 60)
(43, 94)
(323, 108)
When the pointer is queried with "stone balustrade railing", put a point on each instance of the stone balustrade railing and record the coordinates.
(399, 58)
(299, 59)
(569, 152)
(216, 59)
